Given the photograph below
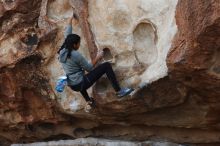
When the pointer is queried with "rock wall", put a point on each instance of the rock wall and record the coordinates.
(171, 45)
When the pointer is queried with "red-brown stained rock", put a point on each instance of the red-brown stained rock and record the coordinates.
(196, 47)
(194, 57)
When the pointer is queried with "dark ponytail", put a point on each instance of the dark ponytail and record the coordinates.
(70, 41)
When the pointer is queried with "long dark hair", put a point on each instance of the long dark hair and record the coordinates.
(70, 41)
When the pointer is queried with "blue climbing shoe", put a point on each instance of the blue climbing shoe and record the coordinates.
(124, 91)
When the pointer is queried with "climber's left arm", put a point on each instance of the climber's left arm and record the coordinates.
(71, 21)
(69, 28)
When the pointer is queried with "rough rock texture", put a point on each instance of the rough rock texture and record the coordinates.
(172, 45)
(194, 58)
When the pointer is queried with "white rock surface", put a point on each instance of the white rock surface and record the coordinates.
(136, 32)
(97, 142)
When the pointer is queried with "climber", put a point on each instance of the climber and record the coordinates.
(75, 65)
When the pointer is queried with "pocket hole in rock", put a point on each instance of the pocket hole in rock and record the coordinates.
(31, 40)
(107, 54)
(145, 43)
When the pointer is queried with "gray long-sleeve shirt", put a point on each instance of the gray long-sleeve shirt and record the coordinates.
(76, 65)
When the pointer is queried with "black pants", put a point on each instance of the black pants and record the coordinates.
(90, 78)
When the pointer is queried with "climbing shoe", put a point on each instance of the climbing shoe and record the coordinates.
(92, 101)
(124, 91)
(88, 107)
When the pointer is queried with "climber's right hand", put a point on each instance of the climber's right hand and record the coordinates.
(75, 21)
(100, 55)
(75, 18)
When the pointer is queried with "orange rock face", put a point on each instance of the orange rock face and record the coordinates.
(182, 107)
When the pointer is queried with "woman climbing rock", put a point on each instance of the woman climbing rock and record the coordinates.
(75, 65)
